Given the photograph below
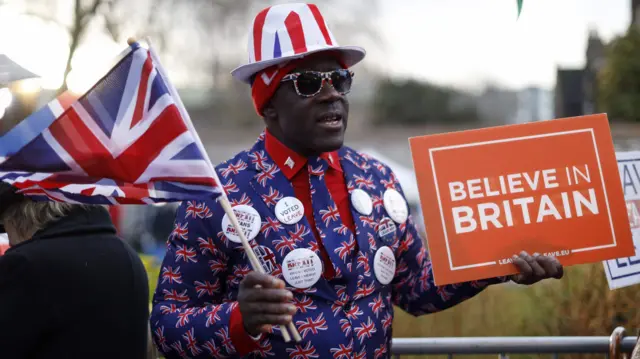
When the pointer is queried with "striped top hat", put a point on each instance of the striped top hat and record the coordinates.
(281, 33)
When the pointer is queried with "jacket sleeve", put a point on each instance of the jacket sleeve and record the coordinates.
(20, 294)
(191, 315)
(413, 286)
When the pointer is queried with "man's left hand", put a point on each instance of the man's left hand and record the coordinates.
(536, 268)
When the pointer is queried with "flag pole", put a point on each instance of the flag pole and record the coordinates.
(223, 199)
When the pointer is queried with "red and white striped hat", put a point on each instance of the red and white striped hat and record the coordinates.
(284, 32)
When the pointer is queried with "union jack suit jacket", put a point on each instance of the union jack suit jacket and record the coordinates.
(346, 317)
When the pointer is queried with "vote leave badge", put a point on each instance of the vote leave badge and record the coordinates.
(549, 187)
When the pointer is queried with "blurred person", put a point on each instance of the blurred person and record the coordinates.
(4, 243)
(69, 287)
(329, 224)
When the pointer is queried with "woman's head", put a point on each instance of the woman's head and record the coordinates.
(24, 217)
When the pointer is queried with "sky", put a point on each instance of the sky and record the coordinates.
(462, 43)
(468, 43)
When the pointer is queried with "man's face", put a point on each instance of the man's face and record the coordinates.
(310, 125)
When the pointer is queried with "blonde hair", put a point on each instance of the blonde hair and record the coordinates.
(27, 217)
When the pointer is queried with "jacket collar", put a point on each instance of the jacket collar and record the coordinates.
(291, 162)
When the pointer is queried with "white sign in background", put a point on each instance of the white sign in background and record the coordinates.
(623, 272)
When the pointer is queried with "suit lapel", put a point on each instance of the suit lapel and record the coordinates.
(358, 176)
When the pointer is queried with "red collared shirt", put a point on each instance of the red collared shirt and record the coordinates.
(294, 167)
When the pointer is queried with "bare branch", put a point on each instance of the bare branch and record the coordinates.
(112, 27)
(91, 11)
(111, 23)
(46, 18)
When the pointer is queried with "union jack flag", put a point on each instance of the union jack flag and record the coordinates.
(127, 140)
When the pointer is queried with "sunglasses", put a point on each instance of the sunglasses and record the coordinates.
(309, 83)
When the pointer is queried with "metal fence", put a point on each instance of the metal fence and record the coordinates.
(614, 346)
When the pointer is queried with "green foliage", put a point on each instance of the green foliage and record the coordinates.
(412, 102)
(153, 271)
(579, 304)
(519, 7)
(619, 80)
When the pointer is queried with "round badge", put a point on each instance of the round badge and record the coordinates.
(266, 257)
(387, 230)
(249, 220)
(301, 268)
(289, 210)
(384, 265)
(396, 206)
(361, 201)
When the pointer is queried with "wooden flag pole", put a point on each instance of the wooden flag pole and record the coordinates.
(255, 263)
(224, 200)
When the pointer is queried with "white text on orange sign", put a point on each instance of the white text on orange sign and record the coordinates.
(537, 207)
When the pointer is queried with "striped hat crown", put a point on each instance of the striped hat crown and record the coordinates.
(284, 32)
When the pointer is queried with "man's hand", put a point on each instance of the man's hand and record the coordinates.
(263, 302)
(536, 268)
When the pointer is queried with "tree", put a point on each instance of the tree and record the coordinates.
(222, 28)
(619, 80)
(117, 18)
(412, 102)
(83, 13)
(223, 25)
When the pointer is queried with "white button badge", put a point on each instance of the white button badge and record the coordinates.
(301, 268)
(384, 265)
(361, 201)
(249, 220)
(396, 206)
(289, 210)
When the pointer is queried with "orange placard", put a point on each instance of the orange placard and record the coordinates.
(548, 187)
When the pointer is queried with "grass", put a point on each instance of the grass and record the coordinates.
(579, 304)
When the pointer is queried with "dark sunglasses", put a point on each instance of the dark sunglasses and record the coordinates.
(309, 83)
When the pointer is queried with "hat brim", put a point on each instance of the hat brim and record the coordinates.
(351, 55)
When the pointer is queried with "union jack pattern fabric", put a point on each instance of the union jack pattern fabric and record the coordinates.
(283, 32)
(348, 316)
(306, 30)
(125, 141)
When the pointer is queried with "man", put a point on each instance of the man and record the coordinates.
(67, 283)
(330, 225)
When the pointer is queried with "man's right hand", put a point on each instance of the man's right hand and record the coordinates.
(263, 302)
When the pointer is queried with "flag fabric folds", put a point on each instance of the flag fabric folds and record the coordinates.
(127, 140)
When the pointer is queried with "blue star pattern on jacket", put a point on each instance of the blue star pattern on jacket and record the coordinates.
(348, 316)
